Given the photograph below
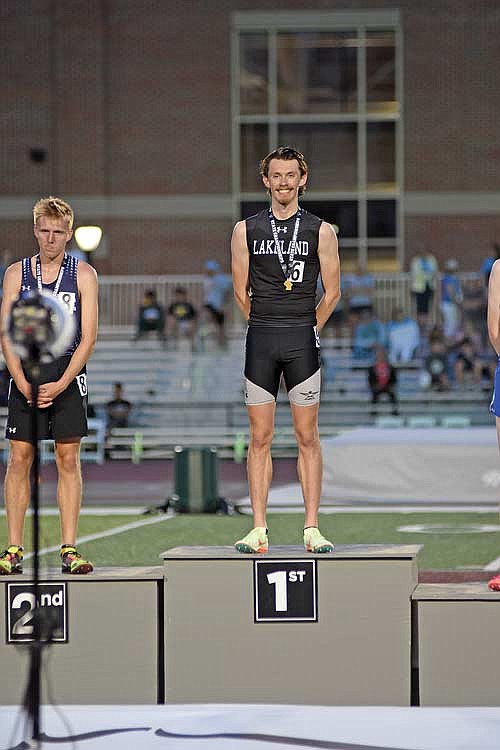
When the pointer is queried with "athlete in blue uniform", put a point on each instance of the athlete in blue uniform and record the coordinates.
(494, 335)
(62, 395)
(277, 256)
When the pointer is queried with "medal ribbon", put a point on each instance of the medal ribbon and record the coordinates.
(286, 267)
(59, 278)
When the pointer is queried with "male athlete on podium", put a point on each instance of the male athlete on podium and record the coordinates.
(62, 396)
(277, 256)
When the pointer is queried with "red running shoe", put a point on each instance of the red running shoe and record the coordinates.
(494, 584)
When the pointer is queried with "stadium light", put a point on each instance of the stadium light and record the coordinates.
(88, 238)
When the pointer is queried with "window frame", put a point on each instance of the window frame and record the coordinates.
(361, 22)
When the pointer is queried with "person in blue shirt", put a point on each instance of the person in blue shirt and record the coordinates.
(368, 334)
(216, 286)
(451, 299)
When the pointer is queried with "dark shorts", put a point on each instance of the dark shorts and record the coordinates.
(218, 315)
(66, 418)
(423, 300)
(495, 400)
(291, 352)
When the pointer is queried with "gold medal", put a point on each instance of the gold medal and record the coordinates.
(288, 285)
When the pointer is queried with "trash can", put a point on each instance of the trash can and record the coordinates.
(195, 480)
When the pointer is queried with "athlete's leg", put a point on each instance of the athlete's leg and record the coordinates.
(69, 487)
(259, 463)
(310, 462)
(17, 488)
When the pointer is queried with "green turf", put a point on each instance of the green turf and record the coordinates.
(144, 545)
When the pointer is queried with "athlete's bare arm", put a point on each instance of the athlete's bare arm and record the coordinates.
(494, 307)
(329, 263)
(11, 287)
(239, 268)
(87, 289)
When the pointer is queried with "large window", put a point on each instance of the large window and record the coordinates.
(328, 84)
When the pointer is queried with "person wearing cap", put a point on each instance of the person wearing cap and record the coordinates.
(451, 299)
(216, 286)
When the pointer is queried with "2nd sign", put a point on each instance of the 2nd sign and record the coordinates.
(285, 590)
(20, 605)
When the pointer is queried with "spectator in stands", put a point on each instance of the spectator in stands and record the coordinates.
(358, 290)
(474, 306)
(216, 286)
(436, 334)
(382, 379)
(118, 409)
(181, 316)
(423, 282)
(151, 317)
(451, 299)
(403, 336)
(368, 334)
(436, 366)
(468, 365)
(207, 337)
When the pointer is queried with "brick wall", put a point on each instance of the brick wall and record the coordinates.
(133, 97)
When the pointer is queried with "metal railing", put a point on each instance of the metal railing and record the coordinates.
(120, 296)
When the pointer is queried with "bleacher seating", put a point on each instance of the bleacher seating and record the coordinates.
(180, 397)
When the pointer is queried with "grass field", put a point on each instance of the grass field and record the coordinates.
(450, 544)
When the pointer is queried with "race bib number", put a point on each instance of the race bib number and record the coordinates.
(81, 382)
(297, 274)
(69, 301)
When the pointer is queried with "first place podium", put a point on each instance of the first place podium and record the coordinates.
(289, 626)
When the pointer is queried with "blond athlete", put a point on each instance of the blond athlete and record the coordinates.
(62, 398)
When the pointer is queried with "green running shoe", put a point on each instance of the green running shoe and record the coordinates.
(11, 561)
(72, 562)
(314, 541)
(255, 541)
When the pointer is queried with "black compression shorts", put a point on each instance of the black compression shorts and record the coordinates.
(273, 351)
(65, 418)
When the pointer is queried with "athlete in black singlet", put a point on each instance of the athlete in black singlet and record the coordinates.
(62, 396)
(277, 256)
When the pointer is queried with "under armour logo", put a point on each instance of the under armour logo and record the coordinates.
(282, 229)
(12, 430)
(26, 288)
(309, 396)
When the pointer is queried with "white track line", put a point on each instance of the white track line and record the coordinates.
(493, 565)
(109, 510)
(416, 509)
(109, 532)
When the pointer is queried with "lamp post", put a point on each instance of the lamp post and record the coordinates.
(88, 239)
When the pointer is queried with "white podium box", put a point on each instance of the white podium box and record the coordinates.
(288, 626)
(457, 626)
(112, 647)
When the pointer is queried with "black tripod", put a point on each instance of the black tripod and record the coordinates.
(32, 694)
(42, 625)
